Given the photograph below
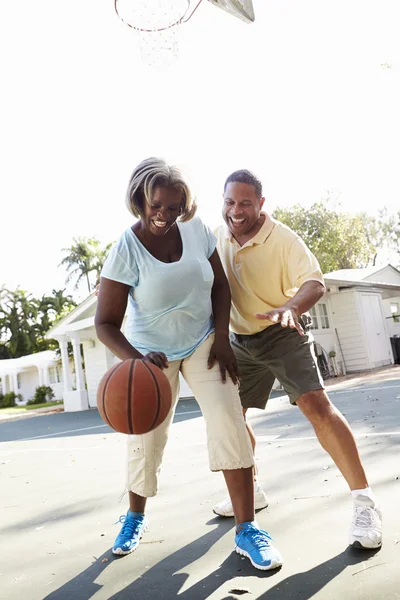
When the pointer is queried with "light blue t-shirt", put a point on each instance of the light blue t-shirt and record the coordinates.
(169, 307)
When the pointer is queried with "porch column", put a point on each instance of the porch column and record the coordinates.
(40, 375)
(46, 378)
(62, 342)
(4, 385)
(14, 382)
(76, 347)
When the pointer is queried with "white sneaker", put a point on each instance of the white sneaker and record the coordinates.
(225, 508)
(366, 526)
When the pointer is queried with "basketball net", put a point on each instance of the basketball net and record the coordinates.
(157, 24)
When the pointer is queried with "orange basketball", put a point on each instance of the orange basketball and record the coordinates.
(134, 397)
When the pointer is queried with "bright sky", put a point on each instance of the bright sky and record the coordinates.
(308, 97)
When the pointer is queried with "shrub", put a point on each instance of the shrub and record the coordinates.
(43, 393)
(8, 400)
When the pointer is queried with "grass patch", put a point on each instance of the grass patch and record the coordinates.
(19, 409)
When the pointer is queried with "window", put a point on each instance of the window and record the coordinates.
(18, 381)
(323, 315)
(313, 314)
(319, 315)
(394, 309)
(54, 374)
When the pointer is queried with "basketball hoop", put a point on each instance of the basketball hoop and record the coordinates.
(157, 25)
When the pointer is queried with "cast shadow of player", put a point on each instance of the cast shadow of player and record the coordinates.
(166, 579)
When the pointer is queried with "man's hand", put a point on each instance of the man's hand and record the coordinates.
(157, 358)
(287, 317)
(221, 351)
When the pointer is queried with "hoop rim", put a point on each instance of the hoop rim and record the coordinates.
(183, 19)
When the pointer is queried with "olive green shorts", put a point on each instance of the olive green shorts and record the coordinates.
(276, 353)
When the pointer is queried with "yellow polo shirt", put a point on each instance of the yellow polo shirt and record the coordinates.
(265, 272)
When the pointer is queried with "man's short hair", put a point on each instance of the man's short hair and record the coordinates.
(245, 176)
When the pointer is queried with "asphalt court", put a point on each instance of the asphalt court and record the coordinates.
(62, 490)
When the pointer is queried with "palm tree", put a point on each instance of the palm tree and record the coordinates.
(56, 306)
(81, 259)
(100, 260)
(18, 315)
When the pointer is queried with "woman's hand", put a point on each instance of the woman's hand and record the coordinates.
(221, 351)
(157, 358)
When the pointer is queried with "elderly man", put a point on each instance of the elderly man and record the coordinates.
(275, 280)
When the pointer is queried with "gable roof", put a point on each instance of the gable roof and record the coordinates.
(356, 275)
(31, 360)
(83, 312)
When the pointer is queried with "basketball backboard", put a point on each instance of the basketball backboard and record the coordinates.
(243, 9)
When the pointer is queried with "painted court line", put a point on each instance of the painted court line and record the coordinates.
(277, 438)
(56, 433)
(38, 437)
(374, 389)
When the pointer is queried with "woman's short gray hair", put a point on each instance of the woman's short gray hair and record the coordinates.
(154, 172)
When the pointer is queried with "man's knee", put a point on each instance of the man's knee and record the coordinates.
(315, 405)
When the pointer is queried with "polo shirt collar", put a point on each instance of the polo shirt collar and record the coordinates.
(260, 237)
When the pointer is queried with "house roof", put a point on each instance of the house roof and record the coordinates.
(39, 359)
(76, 315)
(342, 283)
(358, 274)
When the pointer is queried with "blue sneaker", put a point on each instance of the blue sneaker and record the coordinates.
(254, 543)
(131, 532)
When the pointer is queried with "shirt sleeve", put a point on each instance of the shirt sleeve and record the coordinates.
(210, 241)
(302, 266)
(120, 265)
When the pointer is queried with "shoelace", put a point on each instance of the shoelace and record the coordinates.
(364, 517)
(258, 537)
(129, 525)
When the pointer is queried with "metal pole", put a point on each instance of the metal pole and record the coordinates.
(341, 352)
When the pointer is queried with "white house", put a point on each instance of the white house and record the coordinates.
(356, 317)
(23, 375)
(355, 320)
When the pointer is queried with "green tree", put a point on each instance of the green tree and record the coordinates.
(84, 257)
(391, 234)
(339, 240)
(51, 309)
(24, 321)
(18, 313)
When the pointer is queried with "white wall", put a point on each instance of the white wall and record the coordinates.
(392, 327)
(98, 360)
(29, 381)
(58, 389)
(387, 275)
(375, 330)
(348, 322)
(327, 339)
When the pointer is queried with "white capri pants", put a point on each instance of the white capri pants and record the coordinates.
(228, 441)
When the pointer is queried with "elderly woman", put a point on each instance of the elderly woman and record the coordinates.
(166, 268)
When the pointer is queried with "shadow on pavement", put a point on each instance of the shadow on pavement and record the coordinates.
(303, 586)
(159, 581)
(165, 579)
